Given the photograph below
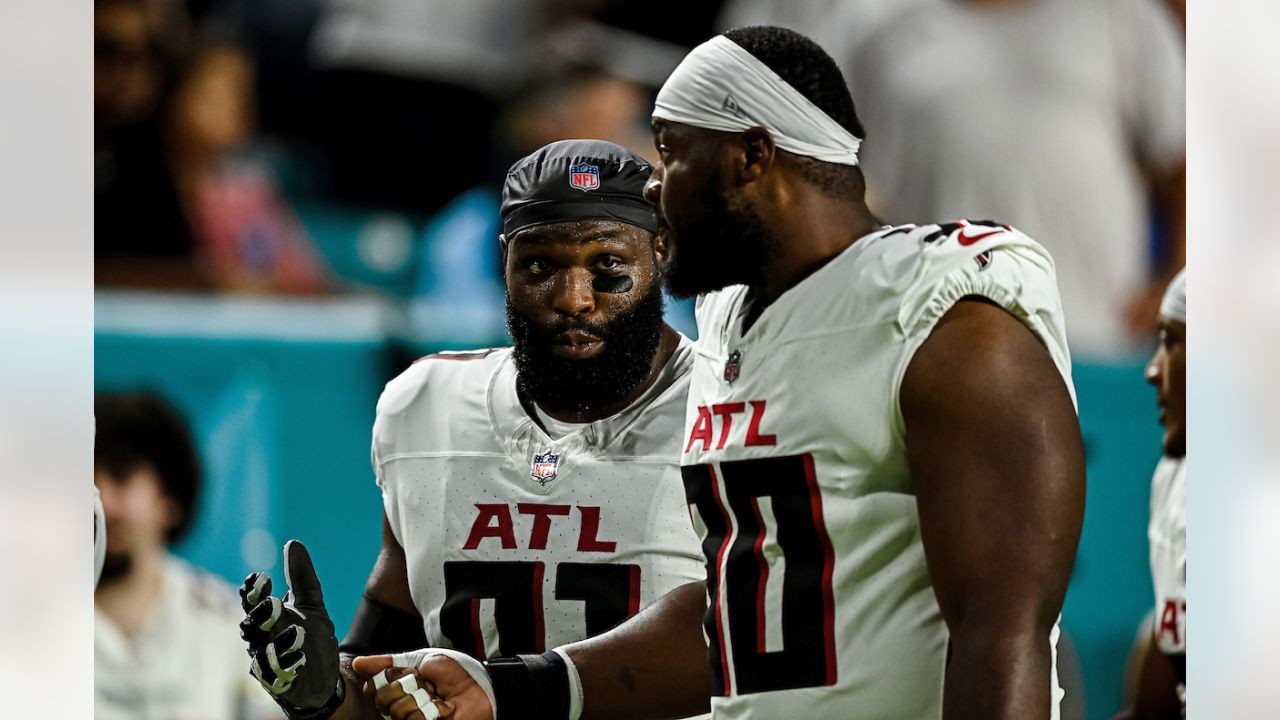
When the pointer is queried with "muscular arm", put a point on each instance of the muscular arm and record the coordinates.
(1150, 683)
(652, 666)
(388, 585)
(994, 450)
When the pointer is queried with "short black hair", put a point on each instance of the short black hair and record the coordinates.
(805, 66)
(134, 428)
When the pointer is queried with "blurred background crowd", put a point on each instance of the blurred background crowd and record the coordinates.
(294, 198)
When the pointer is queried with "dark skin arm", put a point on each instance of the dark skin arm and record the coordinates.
(652, 666)
(994, 451)
(388, 584)
(1151, 686)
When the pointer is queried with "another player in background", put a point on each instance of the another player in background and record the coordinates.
(532, 494)
(1161, 658)
(881, 447)
(164, 636)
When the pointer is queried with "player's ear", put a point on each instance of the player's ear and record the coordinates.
(758, 153)
(660, 249)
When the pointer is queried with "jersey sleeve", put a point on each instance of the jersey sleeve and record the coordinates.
(392, 420)
(1007, 267)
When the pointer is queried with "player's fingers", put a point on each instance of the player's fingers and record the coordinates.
(421, 696)
(398, 686)
(380, 680)
(300, 576)
(366, 666)
(261, 669)
(256, 627)
(256, 586)
(290, 640)
(407, 707)
(285, 666)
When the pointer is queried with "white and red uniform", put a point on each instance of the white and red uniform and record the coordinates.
(1167, 535)
(516, 542)
(795, 469)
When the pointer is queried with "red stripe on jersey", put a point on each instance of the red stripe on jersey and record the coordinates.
(475, 629)
(828, 568)
(539, 632)
(633, 597)
(724, 547)
(764, 576)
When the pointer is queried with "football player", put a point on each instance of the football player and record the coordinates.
(881, 452)
(1161, 659)
(532, 494)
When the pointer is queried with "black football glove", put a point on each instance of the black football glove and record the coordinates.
(293, 650)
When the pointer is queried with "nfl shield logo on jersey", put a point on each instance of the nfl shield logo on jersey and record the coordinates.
(544, 467)
(733, 366)
(584, 176)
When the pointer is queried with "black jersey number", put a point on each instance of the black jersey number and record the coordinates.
(611, 593)
(740, 571)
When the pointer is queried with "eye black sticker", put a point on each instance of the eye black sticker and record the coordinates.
(612, 285)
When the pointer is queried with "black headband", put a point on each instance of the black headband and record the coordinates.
(577, 180)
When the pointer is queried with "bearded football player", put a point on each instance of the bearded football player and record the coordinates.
(532, 494)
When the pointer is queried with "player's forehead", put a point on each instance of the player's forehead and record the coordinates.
(580, 233)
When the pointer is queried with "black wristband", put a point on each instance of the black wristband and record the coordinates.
(530, 686)
(321, 713)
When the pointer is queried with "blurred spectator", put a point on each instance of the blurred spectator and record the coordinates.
(140, 234)
(166, 644)
(247, 236)
(408, 91)
(1062, 117)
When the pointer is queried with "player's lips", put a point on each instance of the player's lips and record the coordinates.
(577, 345)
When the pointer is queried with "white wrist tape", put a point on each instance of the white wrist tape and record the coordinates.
(575, 685)
(721, 86)
(473, 667)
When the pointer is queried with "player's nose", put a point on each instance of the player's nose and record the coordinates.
(1153, 368)
(574, 294)
(653, 186)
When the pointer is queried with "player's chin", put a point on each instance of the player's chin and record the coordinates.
(682, 281)
(1175, 440)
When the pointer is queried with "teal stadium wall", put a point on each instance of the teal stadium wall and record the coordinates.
(282, 411)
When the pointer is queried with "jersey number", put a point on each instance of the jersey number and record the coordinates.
(738, 568)
(611, 593)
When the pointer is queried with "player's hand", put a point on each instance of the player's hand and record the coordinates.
(293, 650)
(454, 693)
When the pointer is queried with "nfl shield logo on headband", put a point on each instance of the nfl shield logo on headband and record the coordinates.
(584, 177)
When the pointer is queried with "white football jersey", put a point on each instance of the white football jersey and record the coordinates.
(1167, 535)
(517, 543)
(795, 468)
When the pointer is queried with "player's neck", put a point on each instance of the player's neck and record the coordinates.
(812, 230)
(130, 599)
(667, 344)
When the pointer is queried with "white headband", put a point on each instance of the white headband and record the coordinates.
(1174, 304)
(720, 86)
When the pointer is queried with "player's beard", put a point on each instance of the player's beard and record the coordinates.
(724, 244)
(555, 383)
